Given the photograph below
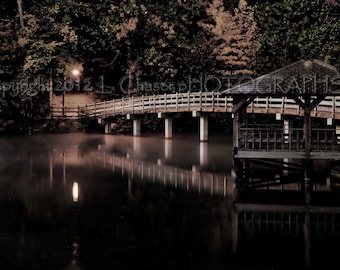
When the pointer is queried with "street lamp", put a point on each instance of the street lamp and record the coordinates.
(75, 74)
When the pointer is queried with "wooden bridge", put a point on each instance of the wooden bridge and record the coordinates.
(293, 96)
(194, 101)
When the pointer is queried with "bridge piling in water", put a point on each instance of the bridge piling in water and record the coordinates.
(204, 128)
(203, 125)
(136, 124)
(107, 128)
(136, 127)
(167, 124)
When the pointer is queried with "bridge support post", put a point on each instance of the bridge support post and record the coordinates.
(136, 124)
(203, 128)
(204, 133)
(167, 125)
(107, 127)
(136, 127)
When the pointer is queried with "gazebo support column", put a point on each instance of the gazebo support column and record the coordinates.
(239, 119)
(307, 126)
(307, 107)
(236, 126)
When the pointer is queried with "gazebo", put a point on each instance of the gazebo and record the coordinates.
(302, 103)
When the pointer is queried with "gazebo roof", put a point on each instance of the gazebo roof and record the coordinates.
(304, 77)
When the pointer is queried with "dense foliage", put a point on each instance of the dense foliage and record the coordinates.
(290, 30)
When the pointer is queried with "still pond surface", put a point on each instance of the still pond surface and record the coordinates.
(88, 201)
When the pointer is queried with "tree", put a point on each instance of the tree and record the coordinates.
(322, 40)
(161, 39)
(50, 39)
(295, 29)
(233, 37)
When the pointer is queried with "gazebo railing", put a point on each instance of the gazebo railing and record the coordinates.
(277, 138)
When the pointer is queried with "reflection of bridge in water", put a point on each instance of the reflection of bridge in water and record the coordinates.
(157, 172)
(189, 179)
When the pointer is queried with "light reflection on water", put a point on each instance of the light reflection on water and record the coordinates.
(80, 201)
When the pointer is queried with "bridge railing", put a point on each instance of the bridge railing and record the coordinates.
(66, 112)
(179, 102)
(199, 101)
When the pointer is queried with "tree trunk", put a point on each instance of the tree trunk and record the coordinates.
(21, 16)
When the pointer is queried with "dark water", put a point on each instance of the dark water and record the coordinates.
(79, 201)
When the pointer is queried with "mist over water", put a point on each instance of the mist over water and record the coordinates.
(89, 201)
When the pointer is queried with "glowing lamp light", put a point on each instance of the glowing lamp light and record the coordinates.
(75, 72)
(75, 192)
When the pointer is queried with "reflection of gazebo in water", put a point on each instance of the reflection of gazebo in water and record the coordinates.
(288, 124)
(287, 230)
